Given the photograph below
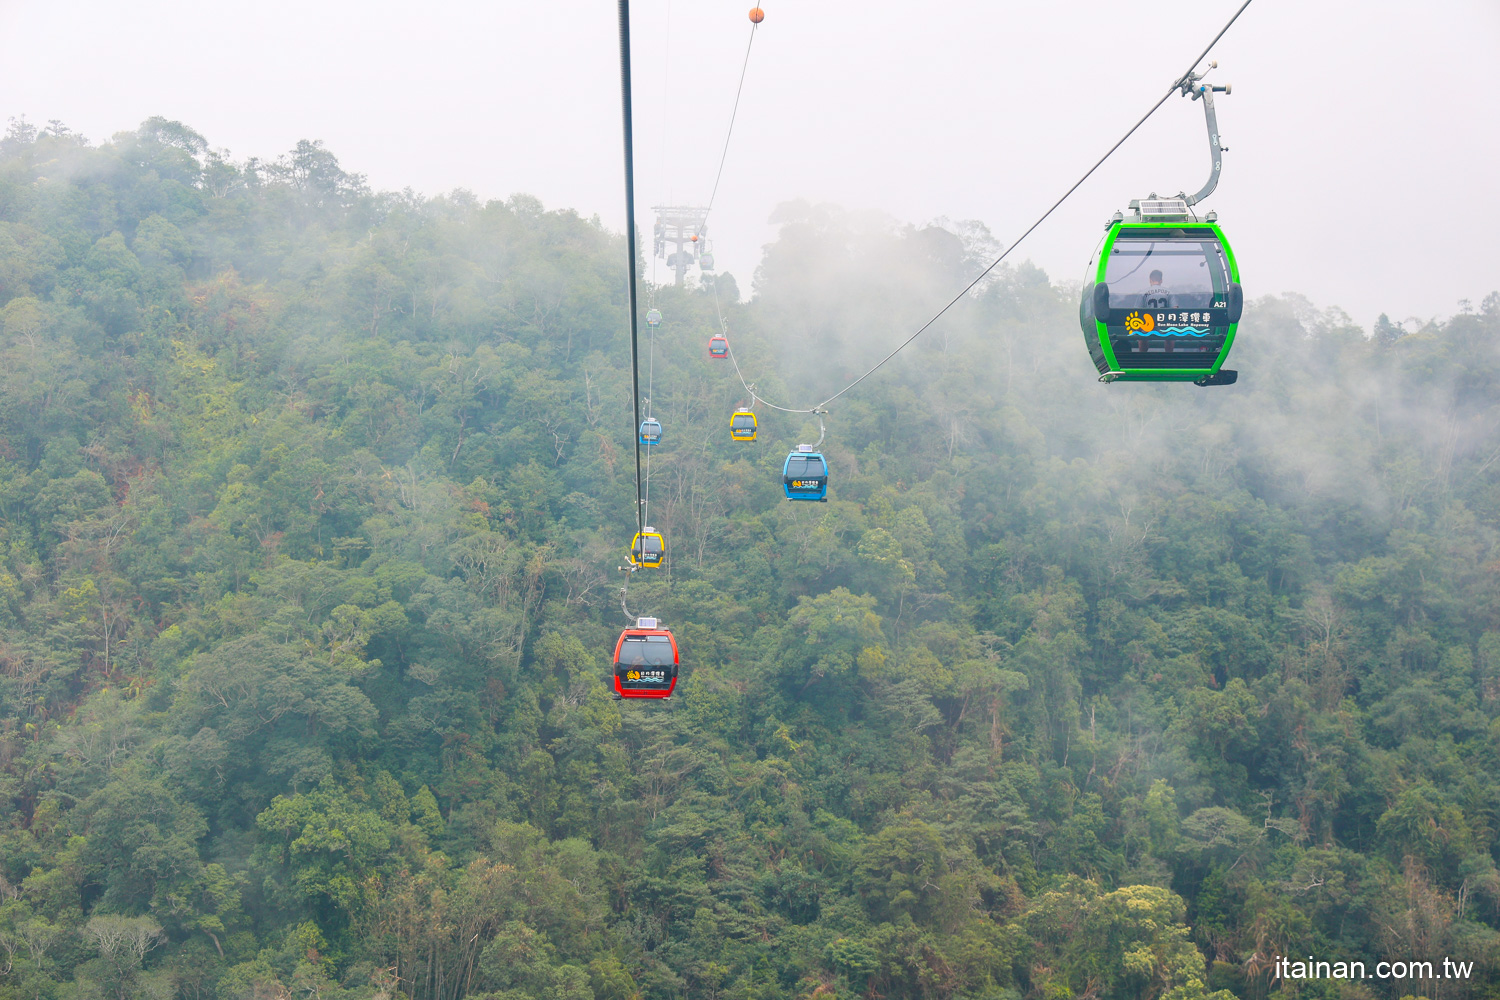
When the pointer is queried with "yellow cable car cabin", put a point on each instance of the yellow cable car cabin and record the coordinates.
(742, 425)
(648, 548)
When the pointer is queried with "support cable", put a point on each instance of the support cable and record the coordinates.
(631, 249)
(650, 395)
(1176, 87)
(733, 114)
(754, 393)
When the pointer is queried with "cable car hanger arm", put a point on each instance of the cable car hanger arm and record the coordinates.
(1192, 87)
(625, 592)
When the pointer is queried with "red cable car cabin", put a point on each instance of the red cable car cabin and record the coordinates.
(645, 661)
(718, 346)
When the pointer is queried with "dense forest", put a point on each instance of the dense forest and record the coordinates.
(312, 500)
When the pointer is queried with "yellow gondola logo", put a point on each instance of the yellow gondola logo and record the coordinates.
(1136, 321)
(633, 675)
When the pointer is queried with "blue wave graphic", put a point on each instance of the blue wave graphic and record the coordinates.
(1175, 331)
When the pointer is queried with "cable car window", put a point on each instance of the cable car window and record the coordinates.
(1162, 274)
(646, 651)
(744, 423)
(803, 467)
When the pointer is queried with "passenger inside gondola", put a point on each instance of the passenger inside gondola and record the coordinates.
(1180, 275)
(1178, 286)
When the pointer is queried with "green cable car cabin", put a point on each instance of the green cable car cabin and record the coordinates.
(1162, 298)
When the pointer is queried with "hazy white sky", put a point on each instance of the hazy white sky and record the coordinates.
(1362, 135)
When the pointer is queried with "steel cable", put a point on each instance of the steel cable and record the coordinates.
(630, 241)
(1176, 86)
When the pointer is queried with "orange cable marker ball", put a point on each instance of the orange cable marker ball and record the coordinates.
(695, 238)
(757, 15)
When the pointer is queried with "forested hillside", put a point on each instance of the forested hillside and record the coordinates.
(311, 503)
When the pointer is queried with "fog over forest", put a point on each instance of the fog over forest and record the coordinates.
(312, 499)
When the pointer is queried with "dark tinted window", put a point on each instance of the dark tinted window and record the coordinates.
(646, 651)
(805, 467)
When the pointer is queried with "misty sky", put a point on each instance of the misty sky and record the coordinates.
(1353, 127)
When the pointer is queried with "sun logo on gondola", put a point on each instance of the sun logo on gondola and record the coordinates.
(1138, 321)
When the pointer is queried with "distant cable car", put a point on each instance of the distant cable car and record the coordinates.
(650, 431)
(804, 476)
(1162, 298)
(718, 346)
(742, 425)
(653, 317)
(646, 661)
(647, 548)
(706, 260)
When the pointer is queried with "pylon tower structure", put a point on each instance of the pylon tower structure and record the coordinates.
(681, 228)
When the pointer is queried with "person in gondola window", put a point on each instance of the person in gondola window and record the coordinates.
(1156, 296)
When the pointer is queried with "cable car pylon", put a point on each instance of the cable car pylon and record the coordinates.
(682, 227)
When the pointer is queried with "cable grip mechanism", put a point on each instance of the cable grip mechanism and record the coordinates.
(1192, 86)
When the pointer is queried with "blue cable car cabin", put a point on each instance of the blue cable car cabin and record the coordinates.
(805, 475)
(650, 431)
(742, 425)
